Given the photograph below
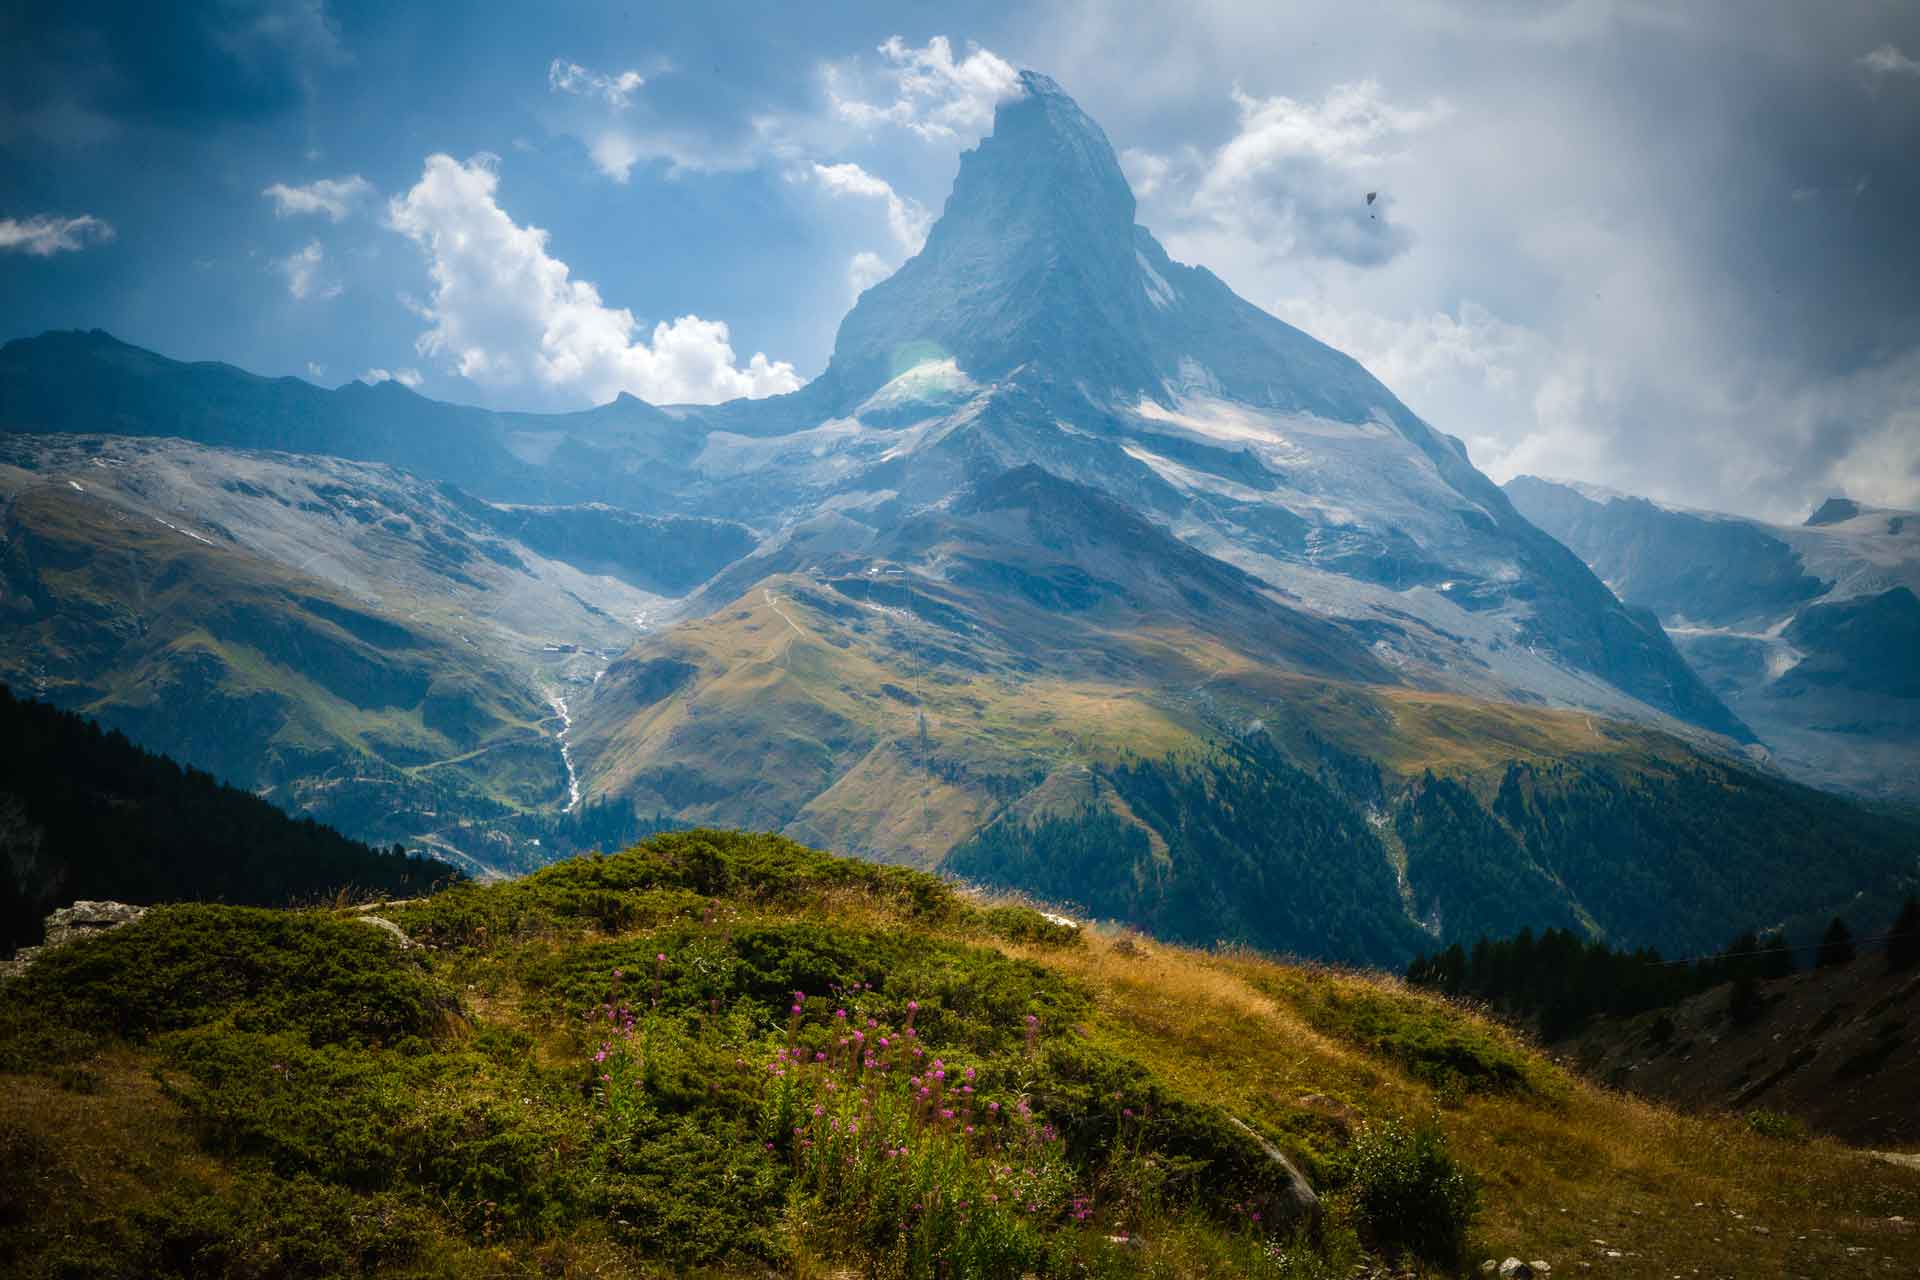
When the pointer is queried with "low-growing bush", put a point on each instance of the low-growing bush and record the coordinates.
(1411, 1194)
(333, 981)
(1435, 1043)
(1777, 1125)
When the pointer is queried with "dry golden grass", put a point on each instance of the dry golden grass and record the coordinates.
(1585, 1178)
(1594, 1181)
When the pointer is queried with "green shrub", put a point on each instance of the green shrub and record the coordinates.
(973, 996)
(264, 1228)
(499, 1158)
(1410, 1193)
(333, 981)
(1776, 1125)
(1024, 924)
(1437, 1044)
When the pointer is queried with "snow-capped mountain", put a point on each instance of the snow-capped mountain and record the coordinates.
(1811, 632)
(1073, 571)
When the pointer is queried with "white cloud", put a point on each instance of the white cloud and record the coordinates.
(615, 90)
(866, 270)
(621, 130)
(932, 94)
(1889, 61)
(1145, 171)
(405, 377)
(506, 313)
(1412, 353)
(333, 197)
(907, 219)
(1348, 128)
(1293, 180)
(615, 153)
(316, 370)
(43, 235)
(302, 270)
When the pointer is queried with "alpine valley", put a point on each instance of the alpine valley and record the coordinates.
(1811, 631)
(1073, 573)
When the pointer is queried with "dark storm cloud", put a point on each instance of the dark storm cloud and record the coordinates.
(71, 71)
(1666, 247)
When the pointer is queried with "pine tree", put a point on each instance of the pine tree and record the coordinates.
(1903, 946)
(1836, 946)
(1776, 957)
(1745, 1004)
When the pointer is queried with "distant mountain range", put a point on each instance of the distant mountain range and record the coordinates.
(1810, 632)
(1074, 571)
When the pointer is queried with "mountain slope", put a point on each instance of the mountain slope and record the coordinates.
(1032, 687)
(353, 642)
(601, 1069)
(1812, 632)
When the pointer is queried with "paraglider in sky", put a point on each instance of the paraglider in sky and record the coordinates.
(1370, 199)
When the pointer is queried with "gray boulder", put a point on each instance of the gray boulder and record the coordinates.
(70, 924)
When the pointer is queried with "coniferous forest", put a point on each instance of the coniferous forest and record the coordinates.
(1559, 980)
(86, 814)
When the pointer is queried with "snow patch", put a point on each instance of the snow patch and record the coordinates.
(535, 448)
(930, 380)
(1190, 480)
(1158, 291)
(177, 529)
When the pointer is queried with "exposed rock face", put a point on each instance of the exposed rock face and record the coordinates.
(70, 924)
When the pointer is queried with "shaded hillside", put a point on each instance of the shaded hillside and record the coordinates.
(1837, 1048)
(370, 714)
(90, 382)
(723, 1054)
(86, 814)
(669, 555)
(1631, 846)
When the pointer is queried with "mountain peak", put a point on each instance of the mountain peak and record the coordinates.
(1834, 511)
(1032, 259)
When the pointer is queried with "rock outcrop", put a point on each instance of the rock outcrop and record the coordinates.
(70, 924)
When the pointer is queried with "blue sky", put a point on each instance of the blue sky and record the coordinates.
(1672, 252)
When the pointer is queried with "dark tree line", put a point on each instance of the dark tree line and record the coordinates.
(84, 813)
(1561, 980)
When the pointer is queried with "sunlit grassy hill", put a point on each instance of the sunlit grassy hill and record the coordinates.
(729, 1055)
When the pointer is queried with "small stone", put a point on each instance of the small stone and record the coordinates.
(1514, 1269)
